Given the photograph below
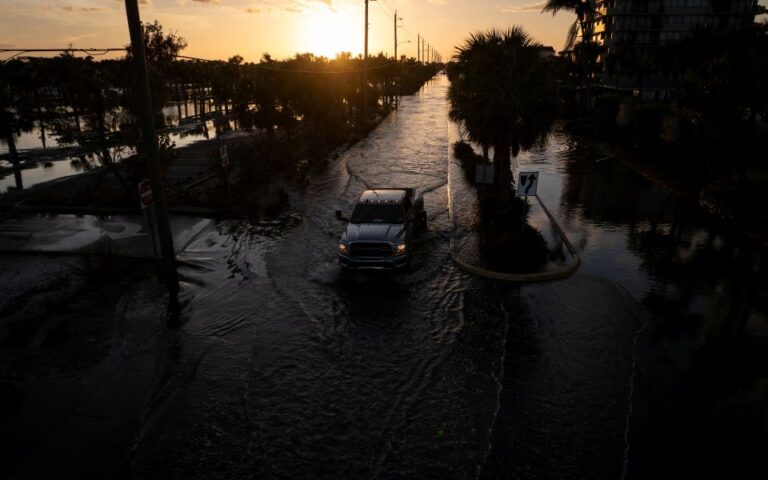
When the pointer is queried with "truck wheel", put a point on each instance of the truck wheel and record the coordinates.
(408, 268)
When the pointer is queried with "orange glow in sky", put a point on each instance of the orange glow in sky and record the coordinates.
(327, 32)
(222, 28)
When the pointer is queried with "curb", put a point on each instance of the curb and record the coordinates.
(548, 276)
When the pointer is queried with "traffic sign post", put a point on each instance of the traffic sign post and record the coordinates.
(527, 182)
(147, 202)
(484, 174)
(149, 153)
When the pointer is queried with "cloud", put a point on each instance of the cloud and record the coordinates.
(70, 8)
(525, 7)
(297, 8)
(77, 38)
(268, 6)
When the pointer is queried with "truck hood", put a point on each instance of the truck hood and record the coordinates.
(374, 232)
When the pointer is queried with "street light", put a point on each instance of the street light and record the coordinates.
(397, 45)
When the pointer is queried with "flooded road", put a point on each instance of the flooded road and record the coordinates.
(301, 371)
(286, 367)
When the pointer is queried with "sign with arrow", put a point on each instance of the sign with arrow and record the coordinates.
(527, 183)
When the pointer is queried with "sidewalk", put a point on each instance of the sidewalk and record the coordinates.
(118, 235)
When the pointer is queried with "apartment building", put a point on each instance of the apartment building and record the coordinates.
(650, 23)
(644, 25)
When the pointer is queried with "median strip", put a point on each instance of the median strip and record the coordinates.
(548, 276)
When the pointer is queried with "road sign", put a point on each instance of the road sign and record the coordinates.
(527, 183)
(484, 174)
(145, 194)
(224, 155)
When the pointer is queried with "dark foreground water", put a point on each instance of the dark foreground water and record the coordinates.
(286, 368)
(649, 363)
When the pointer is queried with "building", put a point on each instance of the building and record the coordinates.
(646, 24)
(546, 51)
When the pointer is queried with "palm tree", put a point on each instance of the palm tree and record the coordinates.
(16, 108)
(502, 94)
(585, 11)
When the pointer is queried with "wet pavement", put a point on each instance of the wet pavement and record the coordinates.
(286, 367)
(302, 371)
(129, 236)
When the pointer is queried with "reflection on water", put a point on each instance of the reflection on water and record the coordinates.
(183, 126)
(286, 367)
(291, 368)
(702, 356)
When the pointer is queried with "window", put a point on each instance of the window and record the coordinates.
(377, 213)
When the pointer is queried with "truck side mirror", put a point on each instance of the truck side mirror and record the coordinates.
(340, 216)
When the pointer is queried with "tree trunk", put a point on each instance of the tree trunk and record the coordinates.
(14, 158)
(12, 148)
(502, 173)
(503, 195)
(41, 123)
(186, 100)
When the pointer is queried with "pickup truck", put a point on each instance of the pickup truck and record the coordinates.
(379, 234)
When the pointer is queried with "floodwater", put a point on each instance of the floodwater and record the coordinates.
(57, 166)
(286, 367)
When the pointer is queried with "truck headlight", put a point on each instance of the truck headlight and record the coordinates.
(399, 249)
(343, 248)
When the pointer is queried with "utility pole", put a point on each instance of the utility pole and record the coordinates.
(395, 35)
(365, 52)
(149, 136)
(418, 47)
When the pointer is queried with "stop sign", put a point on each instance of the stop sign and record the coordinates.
(145, 194)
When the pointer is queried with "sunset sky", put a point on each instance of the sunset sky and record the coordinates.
(222, 28)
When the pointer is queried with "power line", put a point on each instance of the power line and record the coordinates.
(104, 51)
(89, 51)
(291, 70)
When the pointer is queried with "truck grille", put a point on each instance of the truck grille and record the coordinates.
(370, 250)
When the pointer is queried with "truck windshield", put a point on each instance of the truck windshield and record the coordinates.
(377, 213)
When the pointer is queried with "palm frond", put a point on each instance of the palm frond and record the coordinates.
(573, 33)
(555, 6)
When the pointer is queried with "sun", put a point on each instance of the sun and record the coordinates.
(329, 32)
